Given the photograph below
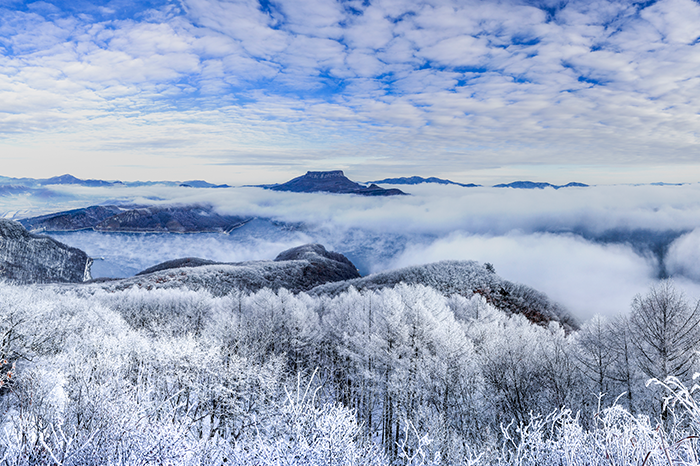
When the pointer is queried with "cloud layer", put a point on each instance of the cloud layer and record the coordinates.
(591, 249)
(229, 89)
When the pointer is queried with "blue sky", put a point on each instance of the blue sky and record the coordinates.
(249, 91)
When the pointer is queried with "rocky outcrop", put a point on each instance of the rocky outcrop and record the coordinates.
(332, 182)
(29, 258)
(326, 266)
(177, 263)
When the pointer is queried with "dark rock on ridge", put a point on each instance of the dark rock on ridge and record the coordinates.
(332, 182)
(420, 180)
(176, 219)
(327, 266)
(298, 269)
(28, 258)
(177, 263)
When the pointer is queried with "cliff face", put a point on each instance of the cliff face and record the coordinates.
(28, 258)
(325, 266)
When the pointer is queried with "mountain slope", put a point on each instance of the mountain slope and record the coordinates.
(465, 278)
(298, 269)
(176, 219)
(71, 220)
(313, 269)
(28, 258)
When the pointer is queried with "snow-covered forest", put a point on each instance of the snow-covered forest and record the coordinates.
(399, 375)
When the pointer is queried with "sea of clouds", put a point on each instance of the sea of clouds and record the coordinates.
(591, 249)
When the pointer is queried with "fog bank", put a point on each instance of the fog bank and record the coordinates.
(591, 249)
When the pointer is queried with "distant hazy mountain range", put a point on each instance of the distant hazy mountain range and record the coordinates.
(421, 180)
(202, 184)
(533, 185)
(333, 181)
(8, 184)
(413, 180)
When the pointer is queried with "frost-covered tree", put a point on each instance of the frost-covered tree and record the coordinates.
(601, 359)
(665, 330)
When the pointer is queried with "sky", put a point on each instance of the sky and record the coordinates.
(248, 91)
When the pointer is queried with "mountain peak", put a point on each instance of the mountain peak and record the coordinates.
(333, 181)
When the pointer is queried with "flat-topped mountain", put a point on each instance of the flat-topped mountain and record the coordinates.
(332, 182)
(28, 258)
(421, 180)
(534, 185)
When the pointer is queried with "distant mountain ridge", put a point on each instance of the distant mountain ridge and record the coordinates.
(55, 180)
(153, 219)
(333, 181)
(412, 180)
(67, 179)
(202, 184)
(11, 186)
(534, 185)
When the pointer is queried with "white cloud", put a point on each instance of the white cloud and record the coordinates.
(683, 256)
(534, 237)
(676, 20)
(313, 18)
(586, 278)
